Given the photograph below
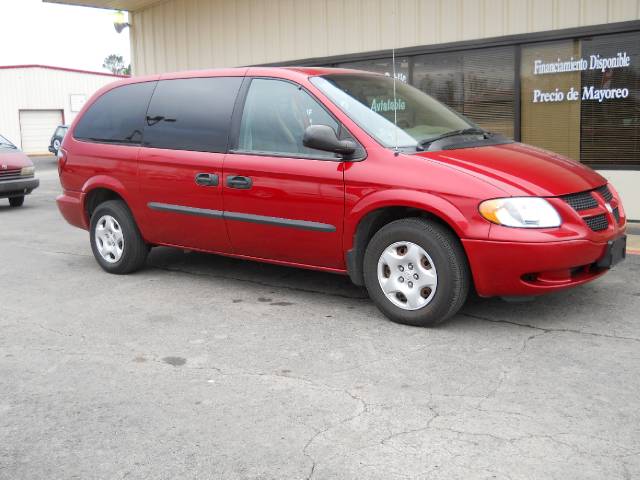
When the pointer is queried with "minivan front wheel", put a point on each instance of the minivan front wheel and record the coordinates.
(116, 242)
(416, 272)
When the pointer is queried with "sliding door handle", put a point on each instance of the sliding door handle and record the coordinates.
(207, 179)
(237, 181)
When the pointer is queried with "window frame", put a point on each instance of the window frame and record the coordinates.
(236, 120)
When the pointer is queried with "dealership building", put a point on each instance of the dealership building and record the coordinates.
(559, 74)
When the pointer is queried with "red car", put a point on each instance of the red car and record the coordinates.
(334, 170)
(17, 174)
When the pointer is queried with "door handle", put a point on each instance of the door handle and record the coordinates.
(207, 179)
(237, 181)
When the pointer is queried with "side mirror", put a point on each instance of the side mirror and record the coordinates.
(323, 137)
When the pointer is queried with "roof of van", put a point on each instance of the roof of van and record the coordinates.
(313, 71)
(284, 72)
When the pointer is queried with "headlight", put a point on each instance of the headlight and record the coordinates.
(522, 212)
(27, 171)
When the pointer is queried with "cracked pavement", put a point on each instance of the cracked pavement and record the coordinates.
(207, 367)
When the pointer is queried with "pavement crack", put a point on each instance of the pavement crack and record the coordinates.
(549, 330)
(364, 408)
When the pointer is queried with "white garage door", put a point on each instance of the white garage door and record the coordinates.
(36, 128)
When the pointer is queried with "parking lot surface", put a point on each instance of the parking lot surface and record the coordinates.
(208, 367)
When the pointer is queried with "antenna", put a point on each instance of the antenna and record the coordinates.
(393, 63)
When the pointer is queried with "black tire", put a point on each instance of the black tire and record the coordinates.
(134, 251)
(448, 257)
(16, 201)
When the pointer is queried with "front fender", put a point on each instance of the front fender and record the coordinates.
(462, 217)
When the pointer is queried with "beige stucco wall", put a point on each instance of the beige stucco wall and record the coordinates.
(192, 34)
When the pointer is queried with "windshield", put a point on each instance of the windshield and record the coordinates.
(369, 101)
(4, 143)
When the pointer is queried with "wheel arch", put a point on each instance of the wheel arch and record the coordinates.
(101, 189)
(364, 222)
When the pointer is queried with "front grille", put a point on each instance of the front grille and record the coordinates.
(11, 174)
(616, 214)
(605, 192)
(580, 201)
(597, 223)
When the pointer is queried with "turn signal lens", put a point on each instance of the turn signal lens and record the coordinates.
(520, 212)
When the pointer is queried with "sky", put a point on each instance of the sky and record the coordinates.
(59, 35)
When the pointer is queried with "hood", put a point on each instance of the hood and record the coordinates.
(12, 159)
(521, 169)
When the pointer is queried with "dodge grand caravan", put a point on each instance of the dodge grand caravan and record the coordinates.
(333, 170)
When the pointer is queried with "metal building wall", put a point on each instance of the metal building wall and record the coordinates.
(36, 88)
(191, 34)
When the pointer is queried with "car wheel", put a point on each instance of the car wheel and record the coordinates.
(56, 145)
(16, 201)
(115, 239)
(416, 272)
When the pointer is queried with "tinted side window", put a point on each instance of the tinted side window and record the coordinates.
(191, 114)
(117, 116)
(275, 116)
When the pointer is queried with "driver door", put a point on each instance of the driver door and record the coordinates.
(282, 200)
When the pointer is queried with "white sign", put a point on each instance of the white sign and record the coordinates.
(77, 101)
(588, 93)
(595, 62)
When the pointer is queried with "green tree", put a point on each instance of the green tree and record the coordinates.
(115, 64)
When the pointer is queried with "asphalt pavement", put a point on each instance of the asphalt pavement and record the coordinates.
(206, 367)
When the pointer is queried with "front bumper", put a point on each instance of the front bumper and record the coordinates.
(519, 268)
(18, 188)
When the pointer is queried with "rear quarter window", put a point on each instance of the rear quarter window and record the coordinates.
(117, 116)
(191, 114)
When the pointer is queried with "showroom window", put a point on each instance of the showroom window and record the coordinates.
(579, 97)
(382, 65)
(547, 121)
(480, 84)
(610, 120)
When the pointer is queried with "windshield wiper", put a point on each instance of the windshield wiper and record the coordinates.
(423, 144)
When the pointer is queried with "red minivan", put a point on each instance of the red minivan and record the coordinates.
(334, 170)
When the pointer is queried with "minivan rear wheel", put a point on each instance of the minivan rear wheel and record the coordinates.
(416, 272)
(116, 242)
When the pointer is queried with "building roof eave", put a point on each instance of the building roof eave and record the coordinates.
(128, 5)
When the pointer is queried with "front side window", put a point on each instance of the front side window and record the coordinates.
(369, 101)
(117, 116)
(276, 114)
(191, 114)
